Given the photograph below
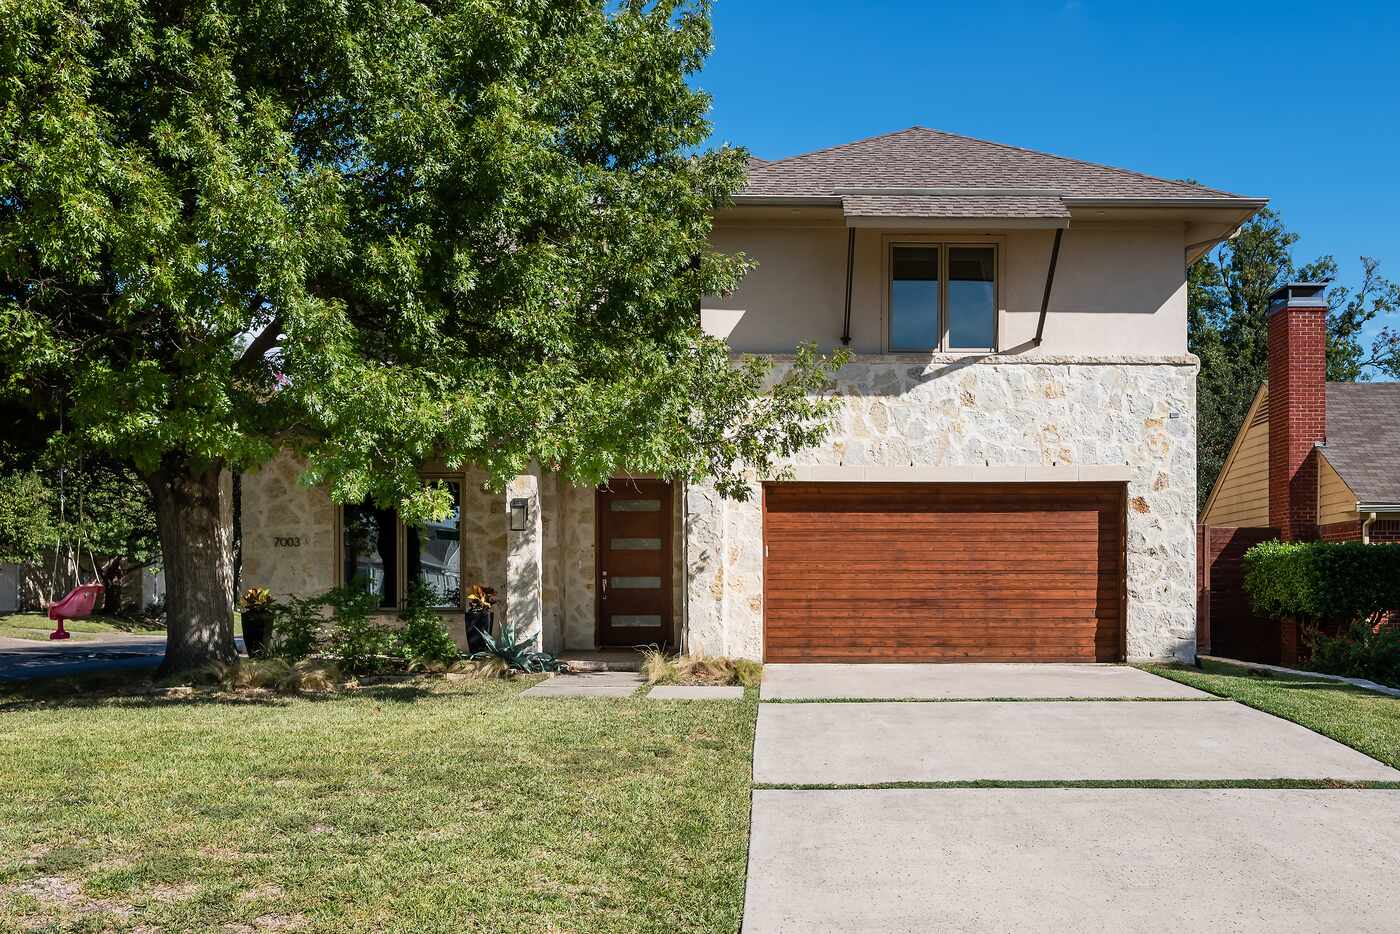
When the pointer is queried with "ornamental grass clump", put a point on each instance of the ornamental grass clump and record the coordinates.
(660, 668)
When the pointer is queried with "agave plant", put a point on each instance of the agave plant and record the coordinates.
(515, 652)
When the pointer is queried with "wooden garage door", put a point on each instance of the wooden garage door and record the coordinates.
(943, 572)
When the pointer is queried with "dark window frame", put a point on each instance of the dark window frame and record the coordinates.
(400, 564)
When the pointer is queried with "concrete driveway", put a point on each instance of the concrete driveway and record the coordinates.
(995, 859)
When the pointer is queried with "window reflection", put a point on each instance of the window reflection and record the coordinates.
(368, 549)
(914, 300)
(971, 297)
(434, 553)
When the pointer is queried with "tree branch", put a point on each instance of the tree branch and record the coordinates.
(261, 344)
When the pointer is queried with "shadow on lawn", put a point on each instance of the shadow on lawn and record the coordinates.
(116, 691)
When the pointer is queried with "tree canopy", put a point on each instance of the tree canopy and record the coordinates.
(371, 231)
(1228, 294)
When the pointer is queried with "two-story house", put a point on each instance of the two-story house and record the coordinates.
(1011, 477)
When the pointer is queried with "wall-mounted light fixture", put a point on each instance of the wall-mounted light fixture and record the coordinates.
(519, 514)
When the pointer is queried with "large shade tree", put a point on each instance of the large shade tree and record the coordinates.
(371, 231)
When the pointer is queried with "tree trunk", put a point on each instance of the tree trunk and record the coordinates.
(110, 574)
(196, 544)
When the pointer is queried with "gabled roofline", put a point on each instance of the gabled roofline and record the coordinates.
(1259, 395)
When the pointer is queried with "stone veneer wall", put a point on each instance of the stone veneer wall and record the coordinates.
(1040, 412)
(276, 505)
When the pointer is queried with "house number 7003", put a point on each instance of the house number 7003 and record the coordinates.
(286, 541)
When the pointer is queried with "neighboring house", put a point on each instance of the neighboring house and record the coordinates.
(1011, 476)
(1317, 459)
(1313, 460)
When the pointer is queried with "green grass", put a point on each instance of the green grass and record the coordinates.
(1363, 720)
(423, 806)
(37, 626)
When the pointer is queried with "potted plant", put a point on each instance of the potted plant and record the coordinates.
(257, 606)
(480, 600)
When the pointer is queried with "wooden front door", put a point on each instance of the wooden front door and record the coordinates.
(634, 563)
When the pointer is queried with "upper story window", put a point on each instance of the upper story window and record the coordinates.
(942, 297)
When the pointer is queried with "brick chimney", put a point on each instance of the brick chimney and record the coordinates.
(1297, 319)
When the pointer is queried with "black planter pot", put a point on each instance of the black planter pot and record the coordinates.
(478, 622)
(257, 627)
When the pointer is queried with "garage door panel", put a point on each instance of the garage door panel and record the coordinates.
(929, 572)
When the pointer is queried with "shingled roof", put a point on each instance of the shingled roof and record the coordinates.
(1363, 439)
(921, 158)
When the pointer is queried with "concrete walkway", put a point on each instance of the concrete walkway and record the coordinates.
(588, 684)
(1132, 860)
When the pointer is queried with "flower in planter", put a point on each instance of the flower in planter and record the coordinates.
(255, 598)
(481, 597)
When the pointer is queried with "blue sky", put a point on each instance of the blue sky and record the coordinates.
(1299, 103)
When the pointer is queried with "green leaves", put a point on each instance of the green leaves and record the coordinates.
(377, 232)
(1343, 581)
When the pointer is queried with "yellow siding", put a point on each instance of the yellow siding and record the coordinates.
(1335, 500)
(1242, 494)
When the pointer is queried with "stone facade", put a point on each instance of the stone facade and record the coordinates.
(999, 418)
(290, 547)
(289, 532)
(992, 419)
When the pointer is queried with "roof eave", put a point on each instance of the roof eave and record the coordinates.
(1250, 204)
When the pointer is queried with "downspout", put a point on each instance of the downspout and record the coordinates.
(850, 269)
(1366, 529)
(1049, 283)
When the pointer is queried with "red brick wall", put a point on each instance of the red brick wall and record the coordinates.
(1348, 531)
(1382, 530)
(1297, 416)
(1385, 530)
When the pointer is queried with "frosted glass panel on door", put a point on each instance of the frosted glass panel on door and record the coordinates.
(635, 544)
(638, 621)
(636, 583)
(635, 505)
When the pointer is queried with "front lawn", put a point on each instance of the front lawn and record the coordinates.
(37, 626)
(1363, 720)
(425, 806)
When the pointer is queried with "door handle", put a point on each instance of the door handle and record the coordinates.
(605, 585)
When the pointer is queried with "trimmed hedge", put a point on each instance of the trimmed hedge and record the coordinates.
(1340, 581)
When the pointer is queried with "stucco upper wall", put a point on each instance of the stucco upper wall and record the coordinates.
(1118, 290)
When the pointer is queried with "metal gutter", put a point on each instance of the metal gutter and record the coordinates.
(1254, 203)
(1049, 283)
(948, 191)
(822, 201)
(850, 270)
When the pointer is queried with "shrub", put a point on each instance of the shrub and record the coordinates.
(296, 628)
(358, 643)
(421, 639)
(1364, 650)
(1343, 581)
